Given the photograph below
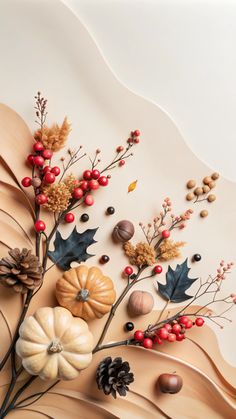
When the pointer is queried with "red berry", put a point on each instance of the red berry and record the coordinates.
(103, 181)
(165, 234)
(47, 154)
(128, 270)
(95, 174)
(49, 177)
(168, 327)
(39, 226)
(157, 340)
(89, 200)
(77, 193)
(183, 320)
(139, 335)
(180, 337)
(26, 182)
(47, 169)
(147, 343)
(136, 140)
(171, 337)
(38, 146)
(136, 133)
(84, 185)
(157, 269)
(122, 162)
(87, 175)
(30, 159)
(56, 170)
(199, 322)
(41, 199)
(69, 218)
(130, 140)
(189, 324)
(93, 184)
(39, 160)
(176, 328)
(120, 148)
(163, 333)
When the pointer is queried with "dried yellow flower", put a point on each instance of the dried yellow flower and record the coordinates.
(58, 197)
(169, 250)
(141, 254)
(71, 182)
(53, 138)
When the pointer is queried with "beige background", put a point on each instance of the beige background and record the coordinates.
(77, 82)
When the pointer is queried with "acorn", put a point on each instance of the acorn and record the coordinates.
(191, 184)
(170, 383)
(190, 196)
(204, 213)
(211, 198)
(123, 231)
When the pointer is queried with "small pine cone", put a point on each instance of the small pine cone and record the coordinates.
(114, 376)
(21, 270)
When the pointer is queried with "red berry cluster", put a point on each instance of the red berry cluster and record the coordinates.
(171, 332)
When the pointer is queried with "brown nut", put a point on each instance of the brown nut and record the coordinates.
(204, 213)
(211, 198)
(36, 182)
(207, 180)
(123, 231)
(198, 191)
(205, 188)
(191, 184)
(212, 184)
(215, 176)
(190, 196)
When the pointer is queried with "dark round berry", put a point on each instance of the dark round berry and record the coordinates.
(110, 210)
(104, 259)
(197, 257)
(84, 218)
(129, 326)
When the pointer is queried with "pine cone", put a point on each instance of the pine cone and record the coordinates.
(21, 270)
(114, 376)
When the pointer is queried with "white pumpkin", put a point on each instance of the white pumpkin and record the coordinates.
(53, 344)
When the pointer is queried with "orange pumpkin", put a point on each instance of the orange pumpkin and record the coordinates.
(85, 292)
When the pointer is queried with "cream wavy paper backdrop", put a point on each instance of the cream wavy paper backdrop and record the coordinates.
(77, 82)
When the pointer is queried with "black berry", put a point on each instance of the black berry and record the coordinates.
(104, 259)
(197, 257)
(84, 218)
(110, 210)
(129, 326)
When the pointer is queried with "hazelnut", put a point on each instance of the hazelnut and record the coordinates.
(207, 180)
(189, 196)
(191, 183)
(211, 184)
(211, 198)
(215, 176)
(205, 188)
(36, 182)
(204, 213)
(198, 191)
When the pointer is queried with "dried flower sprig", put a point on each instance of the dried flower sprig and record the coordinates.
(169, 250)
(140, 255)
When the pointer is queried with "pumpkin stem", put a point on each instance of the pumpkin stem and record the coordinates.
(83, 295)
(55, 347)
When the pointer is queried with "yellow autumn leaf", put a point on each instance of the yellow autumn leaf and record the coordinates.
(132, 186)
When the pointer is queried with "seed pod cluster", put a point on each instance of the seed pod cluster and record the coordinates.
(202, 192)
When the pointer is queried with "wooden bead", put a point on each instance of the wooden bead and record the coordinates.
(207, 180)
(204, 213)
(191, 183)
